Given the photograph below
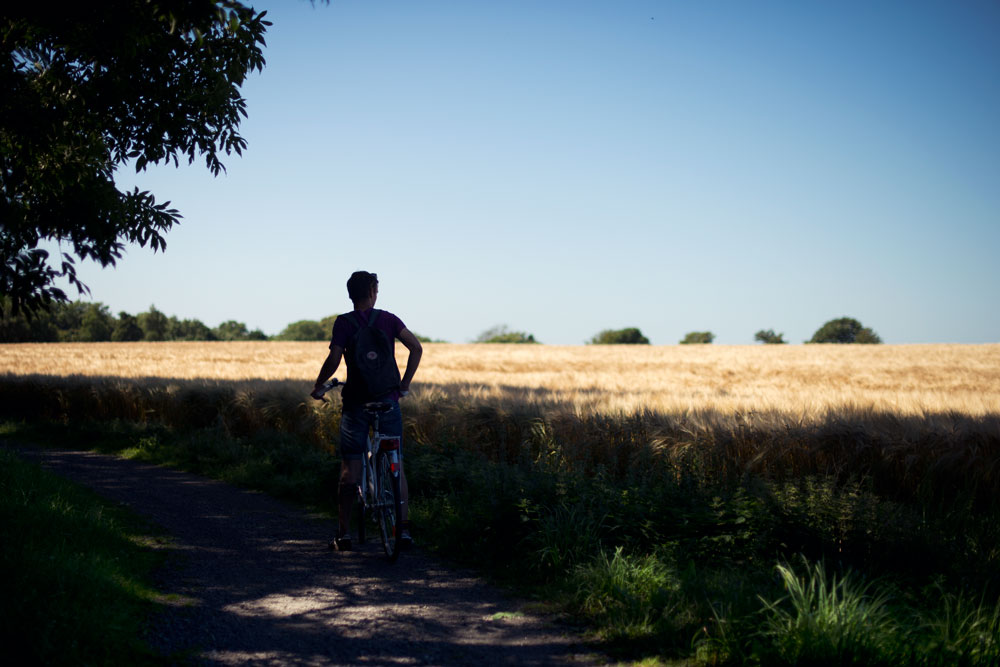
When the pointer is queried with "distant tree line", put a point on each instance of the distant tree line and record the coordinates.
(82, 322)
(93, 322)
(78, 321)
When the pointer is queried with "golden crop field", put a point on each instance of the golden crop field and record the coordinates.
(800, 379)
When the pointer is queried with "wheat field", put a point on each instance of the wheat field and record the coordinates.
(805, 380)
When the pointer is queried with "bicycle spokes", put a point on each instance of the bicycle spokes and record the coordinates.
(389, 509)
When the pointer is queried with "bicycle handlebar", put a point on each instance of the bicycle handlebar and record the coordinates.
(319, 392)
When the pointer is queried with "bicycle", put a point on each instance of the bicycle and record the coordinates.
(379, 493)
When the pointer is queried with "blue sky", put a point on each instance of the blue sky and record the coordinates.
(568, 167)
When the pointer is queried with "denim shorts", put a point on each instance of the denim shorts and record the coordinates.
(354, 425)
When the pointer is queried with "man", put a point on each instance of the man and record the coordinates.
(362, 288)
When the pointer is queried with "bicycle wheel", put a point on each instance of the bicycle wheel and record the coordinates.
(367, 501)
(388, 508)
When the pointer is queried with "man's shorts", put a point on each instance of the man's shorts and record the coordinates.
(354, 426)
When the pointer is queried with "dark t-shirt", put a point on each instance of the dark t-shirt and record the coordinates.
(346, 325)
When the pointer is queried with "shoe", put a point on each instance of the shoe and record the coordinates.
(340, 543)
(405, 541)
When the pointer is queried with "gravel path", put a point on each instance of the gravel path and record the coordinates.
(250, 581)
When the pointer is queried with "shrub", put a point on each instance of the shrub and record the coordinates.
(844, 330)
(768, 337)
(501, 334)
(698, 338)
(629, 336)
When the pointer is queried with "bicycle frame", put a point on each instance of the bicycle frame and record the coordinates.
(379, 488)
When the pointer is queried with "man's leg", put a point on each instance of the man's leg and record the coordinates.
(353, 434)
(350, 473)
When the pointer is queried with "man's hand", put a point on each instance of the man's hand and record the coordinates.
(318, 392)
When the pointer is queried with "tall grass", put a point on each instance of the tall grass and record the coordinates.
(631, 595)
(829, 620)
(965, 630)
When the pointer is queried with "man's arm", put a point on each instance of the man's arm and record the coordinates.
(416, 350)
(329, 366)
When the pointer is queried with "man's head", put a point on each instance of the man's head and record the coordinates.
(360, 285)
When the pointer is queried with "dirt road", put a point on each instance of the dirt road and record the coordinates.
(250, 581)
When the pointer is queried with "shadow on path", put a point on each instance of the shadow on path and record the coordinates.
(250, 580)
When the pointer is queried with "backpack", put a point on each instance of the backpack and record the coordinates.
(372, 373)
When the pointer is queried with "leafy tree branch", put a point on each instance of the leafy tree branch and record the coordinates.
(89, 88)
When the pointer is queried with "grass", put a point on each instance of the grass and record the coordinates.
(965, 631)
(833, 620)
(68, 554)
(775, 523)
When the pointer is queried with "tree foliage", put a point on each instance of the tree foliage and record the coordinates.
(127, 329)
(428, 339)
(97, 323)
(501, 334)
(768, 337)
(233, 330)
(304, 330)
(89, 87)
(92, 322)
(845, 330)
(153, 324)
(326, 324)
(697, 338)
(188, 330)
(628, 336)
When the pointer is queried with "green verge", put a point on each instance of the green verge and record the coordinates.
(661, 569)
(75, 569)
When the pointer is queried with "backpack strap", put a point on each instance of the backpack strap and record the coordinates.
(361, 323)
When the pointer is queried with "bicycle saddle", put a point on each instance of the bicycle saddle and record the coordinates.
(378, 406)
